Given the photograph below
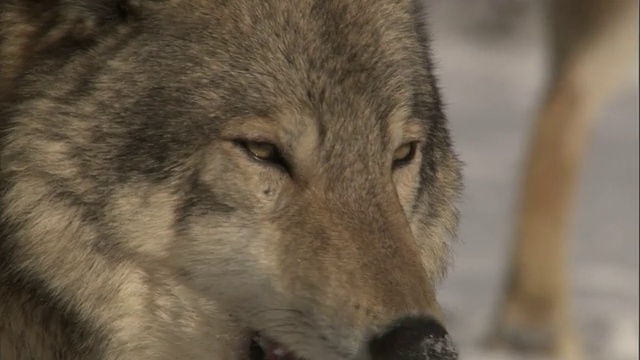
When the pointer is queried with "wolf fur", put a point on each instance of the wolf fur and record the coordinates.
(593, 48)
(136, 223)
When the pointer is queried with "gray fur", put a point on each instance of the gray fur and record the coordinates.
(135, 226)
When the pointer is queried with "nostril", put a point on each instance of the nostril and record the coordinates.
(414, 338)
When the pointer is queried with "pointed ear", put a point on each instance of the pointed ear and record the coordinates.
(101, 11)
(31, 29)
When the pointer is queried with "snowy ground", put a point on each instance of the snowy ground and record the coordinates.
(491, 85)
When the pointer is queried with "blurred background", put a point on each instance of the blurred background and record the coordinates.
(491, 58)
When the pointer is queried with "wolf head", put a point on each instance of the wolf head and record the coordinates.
(287, 160)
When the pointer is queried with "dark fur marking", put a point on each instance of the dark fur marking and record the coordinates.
(78, 337)
(198, 200)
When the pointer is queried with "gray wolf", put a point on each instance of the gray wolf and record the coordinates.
(593, 46)
(248, 179)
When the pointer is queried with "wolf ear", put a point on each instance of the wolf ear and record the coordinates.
(97, 12)
(36, 29)
(51, 20)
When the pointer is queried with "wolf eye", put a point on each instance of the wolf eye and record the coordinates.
(404, 154)
(264, 151)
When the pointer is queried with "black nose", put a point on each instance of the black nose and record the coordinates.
(415, 338)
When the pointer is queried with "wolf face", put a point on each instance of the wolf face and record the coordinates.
(288, 162)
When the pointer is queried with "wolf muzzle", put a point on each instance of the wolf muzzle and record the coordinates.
(415, 338)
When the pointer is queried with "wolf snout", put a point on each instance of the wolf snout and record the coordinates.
(414, 338)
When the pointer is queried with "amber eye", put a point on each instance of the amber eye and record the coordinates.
(404, 154)
(264, 151)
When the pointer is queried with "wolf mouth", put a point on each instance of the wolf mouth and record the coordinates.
(262, 348)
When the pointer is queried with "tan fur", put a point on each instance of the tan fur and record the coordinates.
(594, 45)
(134, 225)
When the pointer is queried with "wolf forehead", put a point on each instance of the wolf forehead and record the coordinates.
(328, 60)
(321, 52)
(339, 59)
(176, 71)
